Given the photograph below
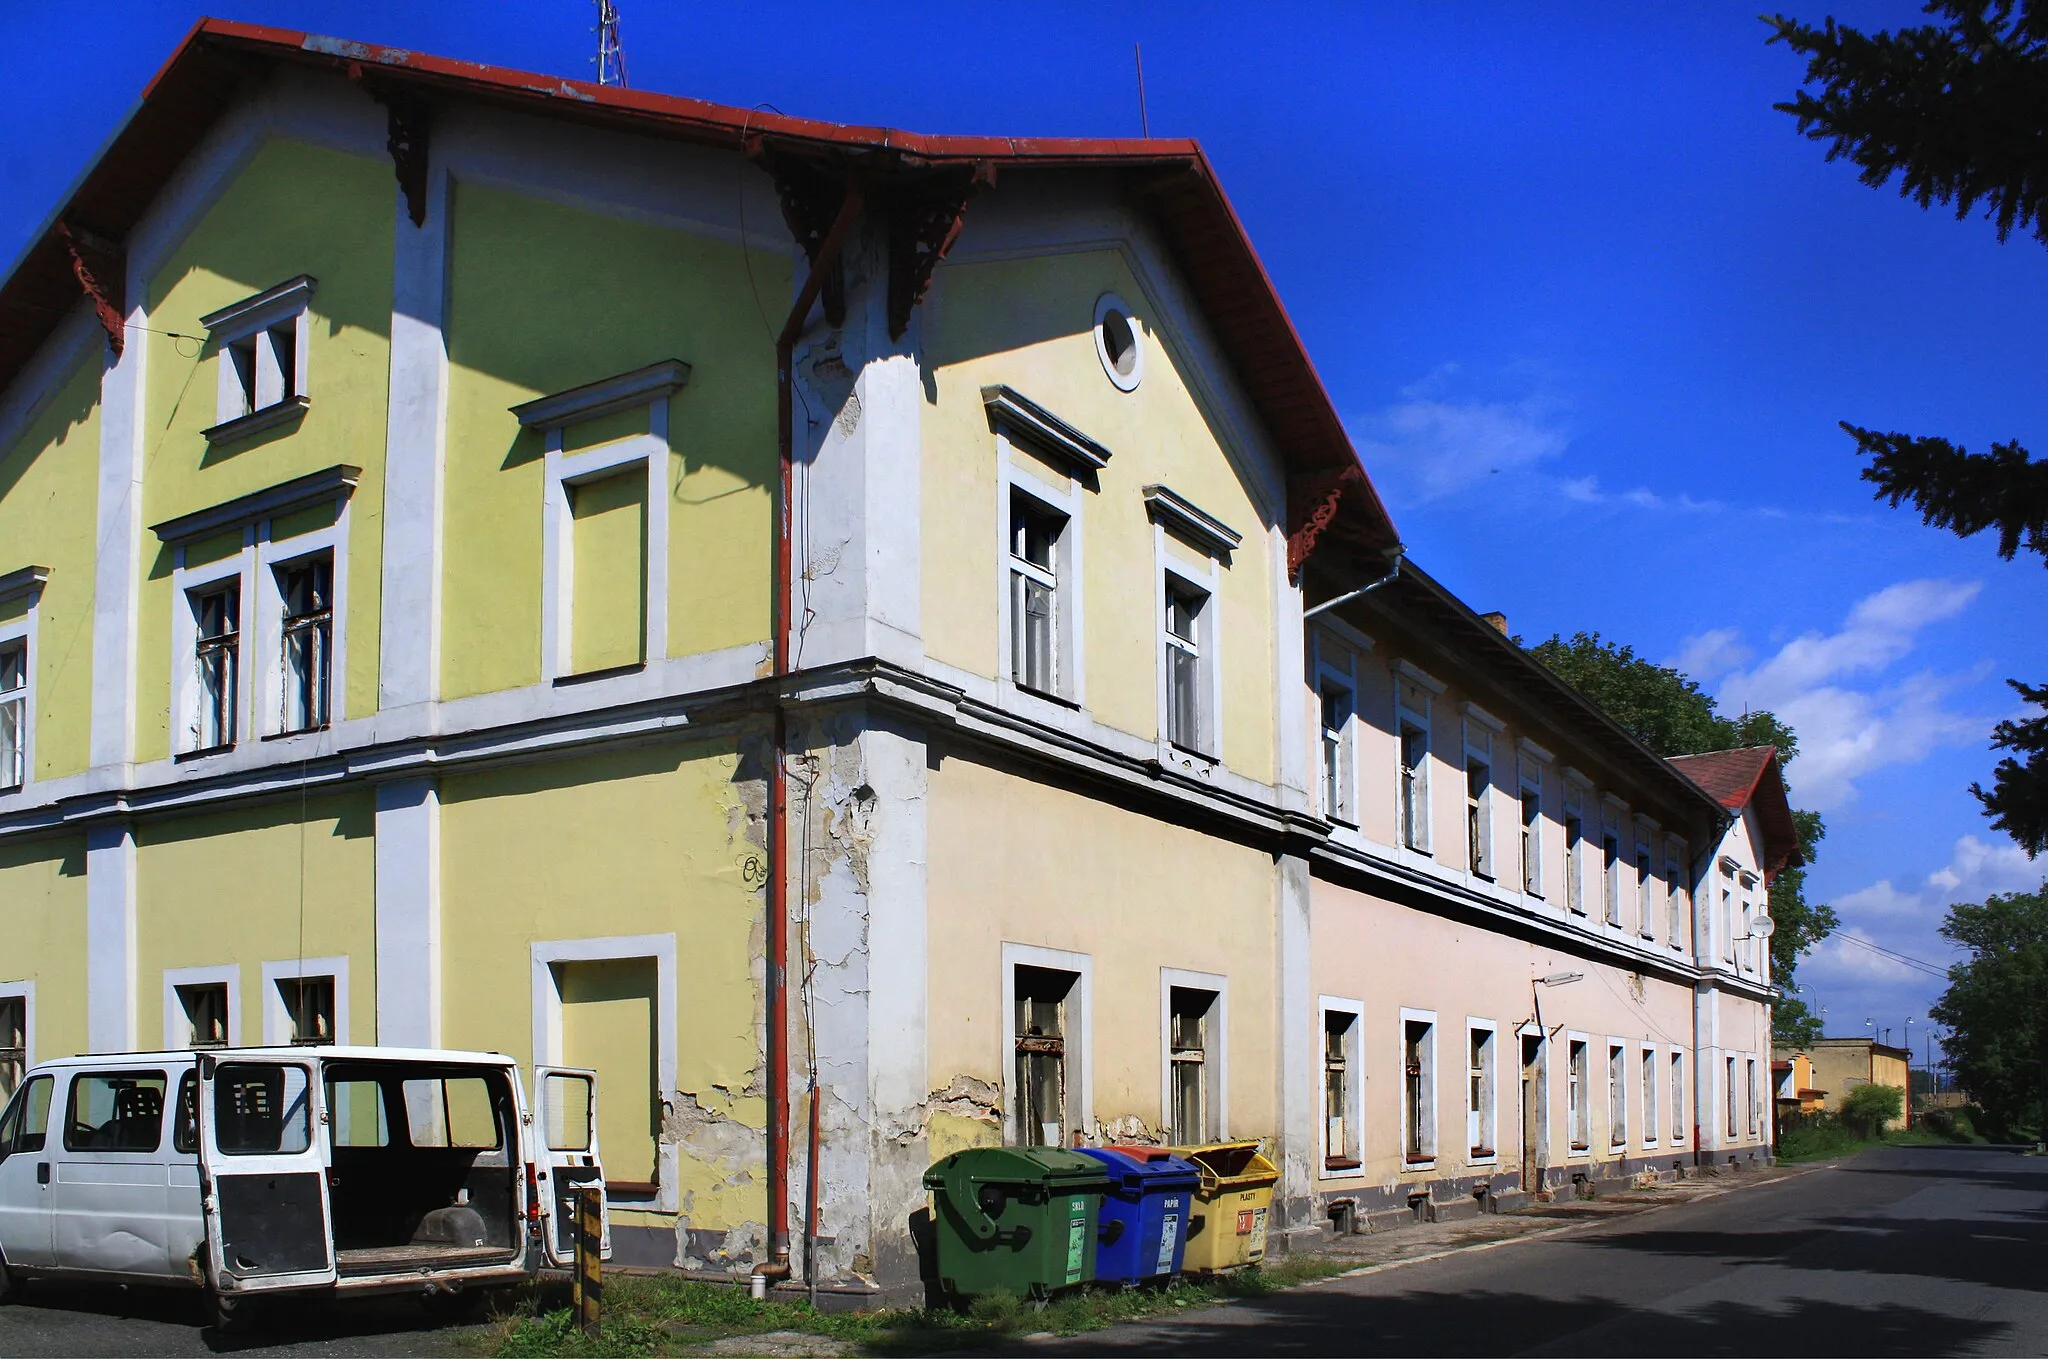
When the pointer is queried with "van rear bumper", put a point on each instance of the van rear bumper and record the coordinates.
(429, 1280)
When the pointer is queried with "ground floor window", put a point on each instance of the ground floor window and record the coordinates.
(1341, 1146)
(1731, 1098)
(1577, 1117)
(1649, 1096)
(1479, 1092)
(308, 1006)
(1753, 1102)
(1677, 1097)
(1617, 1095)
(1190, 1022)
(1418, 1083)
(1041, 1054)
(205, 1008)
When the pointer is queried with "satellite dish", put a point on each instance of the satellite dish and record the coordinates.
(1762, 926)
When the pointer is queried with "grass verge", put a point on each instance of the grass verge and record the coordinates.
(1826, 1141)
(657, 1316)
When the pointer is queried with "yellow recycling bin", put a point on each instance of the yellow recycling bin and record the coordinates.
(1232, 1203)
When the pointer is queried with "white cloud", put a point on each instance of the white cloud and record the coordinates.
(1432, 448)
(1847, 729)
(1976, 869)
(1709, 654)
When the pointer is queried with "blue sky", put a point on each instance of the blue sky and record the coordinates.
(1589, 306)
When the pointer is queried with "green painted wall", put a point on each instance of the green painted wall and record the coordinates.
(49, 506)
(294, 209)
(608, 619)
(543, 298)
(42, 936)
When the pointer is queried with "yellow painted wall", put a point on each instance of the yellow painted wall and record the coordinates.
(256, 885)
(294, 209)
(608, 618)
(1029, 324)
(42, 921)
(543, 298)
(49, 497)
(651, 840)
(609, 1023)
(1014, 861)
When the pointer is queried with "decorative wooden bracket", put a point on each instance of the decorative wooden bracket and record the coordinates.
(101, 268)
(925, 216)
(407, 121)
(1312, 503)
(810, 196)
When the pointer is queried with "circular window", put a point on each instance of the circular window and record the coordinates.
(1118, 342)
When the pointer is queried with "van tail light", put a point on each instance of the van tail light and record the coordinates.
(532, 1197)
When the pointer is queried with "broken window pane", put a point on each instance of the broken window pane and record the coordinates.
(218, 614)
(1188, 1043)
(307, 638)
(1041, 1050)
(13, 714)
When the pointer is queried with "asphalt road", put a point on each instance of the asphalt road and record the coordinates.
(94, 1322)
(1902, 1251)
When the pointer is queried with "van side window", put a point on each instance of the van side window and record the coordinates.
(115, 1111)
(27, 1120)
(185, 1121)
(259, 1109)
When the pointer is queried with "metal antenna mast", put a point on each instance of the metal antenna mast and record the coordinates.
(611, 57)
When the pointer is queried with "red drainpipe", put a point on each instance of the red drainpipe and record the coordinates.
(778, 776)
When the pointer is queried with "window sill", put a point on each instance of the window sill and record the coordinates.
(255, 422)
(1579, 1149)
(204, 753)
(1046, 694)
(591, 676)
(1419, 1162)
(1481, 1156)
(6, 788)
(298, 731)
(1342, 1163)
(1194, 753)
(632, 1189)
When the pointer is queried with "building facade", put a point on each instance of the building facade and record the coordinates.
(444, 602)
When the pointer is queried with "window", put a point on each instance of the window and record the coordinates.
(261, 343)
(1118, 344)
(1677, 1097)
(1675, 893)
(115, 1111)
(1731, 1098)
(1531, 771)
(14, 713)
(1650, 1124)
(607, 569)
(1750, 1094)
(1041, 1051)
(26, 1122)
(1188, 1015)
(1610, 863)
(1418, 1089)
(1727, 923)
(13, 1043)
(262, 1109)
(1182, 657)
(205, 1008)
(309, 1008)
(1646, 889)
(1035, 623)
(451, 1111)
(1337, 702)
(1478, 815)
(306, 640)
(1341, 1144)
(1479, 1092)
(1617, 1095)
(185, 1120)
(1412, 692)
(1577, 1118)
(1574, 861)
(217, 614)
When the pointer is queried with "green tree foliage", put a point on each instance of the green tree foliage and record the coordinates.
(1868, 1108)
(1667, 711)
(1996, 1005)
(1958, 111)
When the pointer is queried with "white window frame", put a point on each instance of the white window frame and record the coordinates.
(1216, 1056)
(27, 584)
(1334, 657)
(1488, 1120)
(1531, 763)
(1733, 1121)
(1354, 1071)
(259, 659)
(1678, 893)
(230, 975)
(1416, 836)
(1653, 1103)
(649, 387)
(269, 398)
(25, 992)
(1751, 1099)
(1613, 815)
(277, 1020)
(1578, 791)
(1432, 1148)
(1647, 898)
(1578, 1120)
(1175, 574)
(1617, 1093)
(1478, 730)
(1676, 1067)
(1022, 469)
(1080, 1110)
(546, 1035)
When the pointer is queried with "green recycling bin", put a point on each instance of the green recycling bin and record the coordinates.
(1018, 1218)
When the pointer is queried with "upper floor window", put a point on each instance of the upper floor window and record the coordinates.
(1192, 550)
(1676, 893)
(1336, 701)
(1413, 692)
(306, 637)
(1646, 888)
(261, 346)
(1610, 866)
(1530, 766)
(13, 713)
(1182, 651)
(216, 658)
(1118, 343)
(1479, 732)
(1035, 604)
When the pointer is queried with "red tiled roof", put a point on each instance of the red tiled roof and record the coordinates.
(1746, 777)
(1171, 178)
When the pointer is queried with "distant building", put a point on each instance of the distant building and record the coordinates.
(1840, 1065)
(1792, 1082)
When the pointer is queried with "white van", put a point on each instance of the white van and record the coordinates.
(259, 1172)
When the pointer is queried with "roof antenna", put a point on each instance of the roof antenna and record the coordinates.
(1144, 122)
(611, 57)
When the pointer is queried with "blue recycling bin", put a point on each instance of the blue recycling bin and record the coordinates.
(1144, 1222)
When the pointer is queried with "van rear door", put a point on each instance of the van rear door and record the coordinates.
(263, 1175)
(565, 1115)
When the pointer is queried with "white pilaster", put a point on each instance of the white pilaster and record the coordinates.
(1299, 1036)
(409, 914)
(415, 445)
(110, 1024)
(118, 568)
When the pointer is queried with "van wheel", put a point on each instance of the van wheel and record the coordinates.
(453, 1309)
(10, 1288)
(237, 1316)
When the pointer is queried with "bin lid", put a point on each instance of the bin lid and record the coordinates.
(1231, 1165)
(1054, 1167)
(1136, 1171)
